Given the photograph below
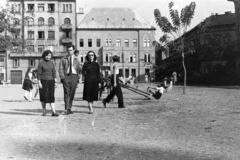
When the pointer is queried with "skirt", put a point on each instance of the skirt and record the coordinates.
(47, 92)
(27, 85)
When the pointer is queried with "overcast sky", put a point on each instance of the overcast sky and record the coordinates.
(204, 8)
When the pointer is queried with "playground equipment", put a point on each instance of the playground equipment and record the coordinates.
(148, 93)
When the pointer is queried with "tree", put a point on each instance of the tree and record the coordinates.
(176, 30)
(10, 25)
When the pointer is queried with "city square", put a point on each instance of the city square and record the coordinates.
(202, 124)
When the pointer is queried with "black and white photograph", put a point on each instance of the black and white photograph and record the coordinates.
(120, 79)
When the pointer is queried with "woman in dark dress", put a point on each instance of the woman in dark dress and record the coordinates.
(47, 82)
(91, 72)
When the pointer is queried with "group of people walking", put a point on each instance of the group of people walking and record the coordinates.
(70, 69)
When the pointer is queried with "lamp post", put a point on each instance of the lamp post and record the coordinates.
(123, 63)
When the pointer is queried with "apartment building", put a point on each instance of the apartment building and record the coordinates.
(49, 25)
(118, 31)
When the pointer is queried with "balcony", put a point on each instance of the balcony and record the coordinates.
(66, 27)
(67, 40)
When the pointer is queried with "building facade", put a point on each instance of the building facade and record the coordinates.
(50, 25)
(118, 31)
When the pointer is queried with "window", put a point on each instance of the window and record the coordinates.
(70, 8)
(134, 43)
(98, 42)
(30, 48)
(132, 57)
(40, 49)
(51, 35)
(40, 21)
(81, 43)
(64, 8)
(1, 62)
(118, 43)
(67, 21)
(41, 7)
(41, 35)
(51, 7)
(146, 42)
(67, 7)
(146, 57)
(126, 42)
(30, 22)
(51, 48)
(30, 7)
(31, 63)
(30, 35)
(51, 21)
(18, 8)
(108, 57)
(68, 34)
(16, 62)
(82, 57)
(89, 42)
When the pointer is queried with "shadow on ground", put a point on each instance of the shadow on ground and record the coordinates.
(82, 149)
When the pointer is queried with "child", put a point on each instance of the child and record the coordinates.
(35, 82)
(27, 84)
(116, 88)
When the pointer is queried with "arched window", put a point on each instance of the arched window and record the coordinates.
(30, 21)
(51, 21)
(67, 21)
(146, 41)
(108, 40)
(40, 21)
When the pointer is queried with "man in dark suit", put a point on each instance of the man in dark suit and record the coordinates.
(69, 70)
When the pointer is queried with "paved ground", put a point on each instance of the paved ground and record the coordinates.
(202, 125)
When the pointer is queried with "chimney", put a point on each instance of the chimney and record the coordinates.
(228, 12)
(81, 11)
(216, 14)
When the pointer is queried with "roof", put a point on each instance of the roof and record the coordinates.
(222, 19)
(114, 18)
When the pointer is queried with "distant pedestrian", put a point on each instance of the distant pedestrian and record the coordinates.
(47, 82)
(92, 82)
(28, 84)
(146, 78)
(174, 75)
(116, 88)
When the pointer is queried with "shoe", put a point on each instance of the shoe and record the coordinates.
(30, 100)
(122, 107)
(44, 114)
(54, 114)
(104, 103)
(25, 98)
(69, 112)
(90, 112)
